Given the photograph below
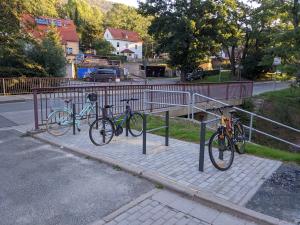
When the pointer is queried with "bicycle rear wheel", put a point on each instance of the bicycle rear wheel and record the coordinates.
(136, 124)
(240, 138)
(101, 131)
(221, 151)
(59, 123)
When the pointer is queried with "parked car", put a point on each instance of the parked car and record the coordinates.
(196, 74)
(102, 75)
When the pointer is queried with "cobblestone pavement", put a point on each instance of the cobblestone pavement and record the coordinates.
(166, 208)
(179, 163)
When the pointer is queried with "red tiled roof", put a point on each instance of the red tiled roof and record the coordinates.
(125, 35)
(38, 27)
(127, 51)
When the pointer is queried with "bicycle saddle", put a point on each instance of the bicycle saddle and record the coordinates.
(108, 106)
(68, 100)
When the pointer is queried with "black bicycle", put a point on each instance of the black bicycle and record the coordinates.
(102, 130)
(229, 137)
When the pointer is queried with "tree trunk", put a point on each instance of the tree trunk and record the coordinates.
(295, 12)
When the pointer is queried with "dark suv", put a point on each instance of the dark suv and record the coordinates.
(102, 75)
(196, 74)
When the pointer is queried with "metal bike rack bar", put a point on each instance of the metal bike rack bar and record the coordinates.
(202, 142)
(145, 131)
(74, 119)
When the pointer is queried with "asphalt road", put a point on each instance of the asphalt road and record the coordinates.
(41, 184)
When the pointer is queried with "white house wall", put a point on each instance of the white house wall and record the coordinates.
(122, 46)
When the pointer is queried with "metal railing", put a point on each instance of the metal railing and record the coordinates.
(166, 99)
(111, 95)
(251, 115)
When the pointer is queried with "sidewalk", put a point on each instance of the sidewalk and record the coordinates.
(15, 98)
(176, 167)
(165, 207)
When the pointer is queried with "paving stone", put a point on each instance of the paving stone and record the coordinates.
(179, 163)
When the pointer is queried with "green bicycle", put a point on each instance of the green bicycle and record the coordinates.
(60, 120)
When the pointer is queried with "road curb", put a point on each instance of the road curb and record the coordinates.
(12, 101)
(197, 195)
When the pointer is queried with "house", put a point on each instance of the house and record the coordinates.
(125, 42)
(38, 27)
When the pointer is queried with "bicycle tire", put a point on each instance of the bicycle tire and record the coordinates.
(211, 148)
(238, 127)
(137, 129)
(94, 128)
(55, 119)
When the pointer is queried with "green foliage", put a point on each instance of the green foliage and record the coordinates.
(41, 7)
(103, 47)
(184, 29)
(125, 17)
(89, 22)
(49, 54)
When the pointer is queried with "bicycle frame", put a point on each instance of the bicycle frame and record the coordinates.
(126, 115)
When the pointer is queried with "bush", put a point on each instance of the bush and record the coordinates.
(18, 72)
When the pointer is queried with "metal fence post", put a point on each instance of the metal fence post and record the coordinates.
(167, 128)
(202, 146)
(74, 119)
(3, 83)
(127, 126)
(97, 115)
(250, 127)
(144, 133)
(35, 108)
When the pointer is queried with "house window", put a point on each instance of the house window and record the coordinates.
(69, 51)
(136, 46)
(126, 45)
(118, 44)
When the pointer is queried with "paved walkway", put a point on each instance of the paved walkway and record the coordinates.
(178, 164)
(166, 208)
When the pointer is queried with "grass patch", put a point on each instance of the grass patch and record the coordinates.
(272, 153)
(179, 129)
(223, 77)
(187, 131)
(290, 93)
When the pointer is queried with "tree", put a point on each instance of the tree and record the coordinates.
(89, 22)
(41, 7)
(53, 56)
(13, 42)
(125, 17)
(103, 47)
(184, 29)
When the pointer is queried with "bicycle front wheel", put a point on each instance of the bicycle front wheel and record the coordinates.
(221, 151)
(101, 131)
(59, 122)
(136, 124)
(240, 138)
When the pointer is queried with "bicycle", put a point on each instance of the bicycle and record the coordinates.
(229, 137)
(102, 130)
(60, 120)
